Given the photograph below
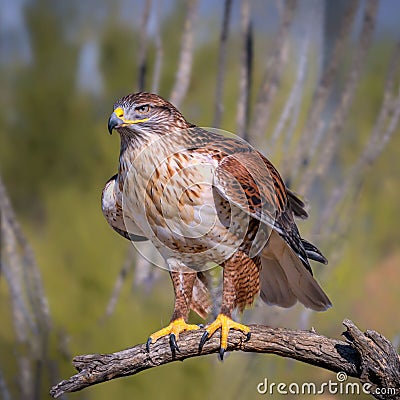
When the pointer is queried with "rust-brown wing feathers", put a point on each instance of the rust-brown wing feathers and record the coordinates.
(250, 181)
(296, 205)
(244, 180)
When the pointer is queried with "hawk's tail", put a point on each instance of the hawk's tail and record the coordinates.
(284, 279)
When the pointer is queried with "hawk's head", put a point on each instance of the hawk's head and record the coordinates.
(145, 114)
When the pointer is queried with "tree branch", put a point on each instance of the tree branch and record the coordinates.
(331, 137)
(142, 63)
(324, 89)
(221, 68)
(184, 69)
(246, 65)
(273, 74)
(159, 52)
(368, 356)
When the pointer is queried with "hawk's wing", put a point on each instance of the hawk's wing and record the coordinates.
(112, 211)
(248, 180)
(297, 205)
(255, 187)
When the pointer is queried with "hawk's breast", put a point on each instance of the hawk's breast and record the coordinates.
(172, 199)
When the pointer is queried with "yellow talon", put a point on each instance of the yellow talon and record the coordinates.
(225, 323)
(174, 328)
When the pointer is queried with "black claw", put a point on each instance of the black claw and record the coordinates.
(221, 353)
(173, 344)
(203, 339)
(201, 326)
(148, 343)
(248, 336)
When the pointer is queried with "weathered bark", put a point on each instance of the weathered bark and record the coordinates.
(368, 356)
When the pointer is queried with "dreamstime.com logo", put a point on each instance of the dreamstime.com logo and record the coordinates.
(340, 386)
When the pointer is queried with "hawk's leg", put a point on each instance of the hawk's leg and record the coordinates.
(230, 297)
(183, 287)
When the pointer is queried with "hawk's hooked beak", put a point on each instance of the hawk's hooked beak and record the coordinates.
(113, 122)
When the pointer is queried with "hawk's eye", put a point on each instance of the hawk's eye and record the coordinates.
(144, 109)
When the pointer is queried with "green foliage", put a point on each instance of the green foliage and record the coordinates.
(118, 62)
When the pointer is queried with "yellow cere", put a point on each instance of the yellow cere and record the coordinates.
(119, 112)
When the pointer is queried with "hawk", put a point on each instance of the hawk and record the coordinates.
(203, 198)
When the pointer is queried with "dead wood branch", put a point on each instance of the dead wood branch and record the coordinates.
(246, 62)
(142, 64)
(184, 69)
(296, 96)
(29, 306)
(368, 356)
(273, 74)
(159, 53)
(324, 89)
(324, 157)
(119, 282)
(385, 126)
(221, 69)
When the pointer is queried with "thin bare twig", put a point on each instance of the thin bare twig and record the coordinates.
(5, 394)
(323, 90)
(390, 114)
(146, 272)
(273, 73)
(159, 53)
(123, 273)
(221, 68)
(297, 91)
(29, 305)
(182, 78)
(246, 63)
(313, 22)
(142, 65)
(30, 273)
(323, 158)
(380, 136)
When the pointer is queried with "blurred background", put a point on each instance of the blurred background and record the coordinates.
(314, 84)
